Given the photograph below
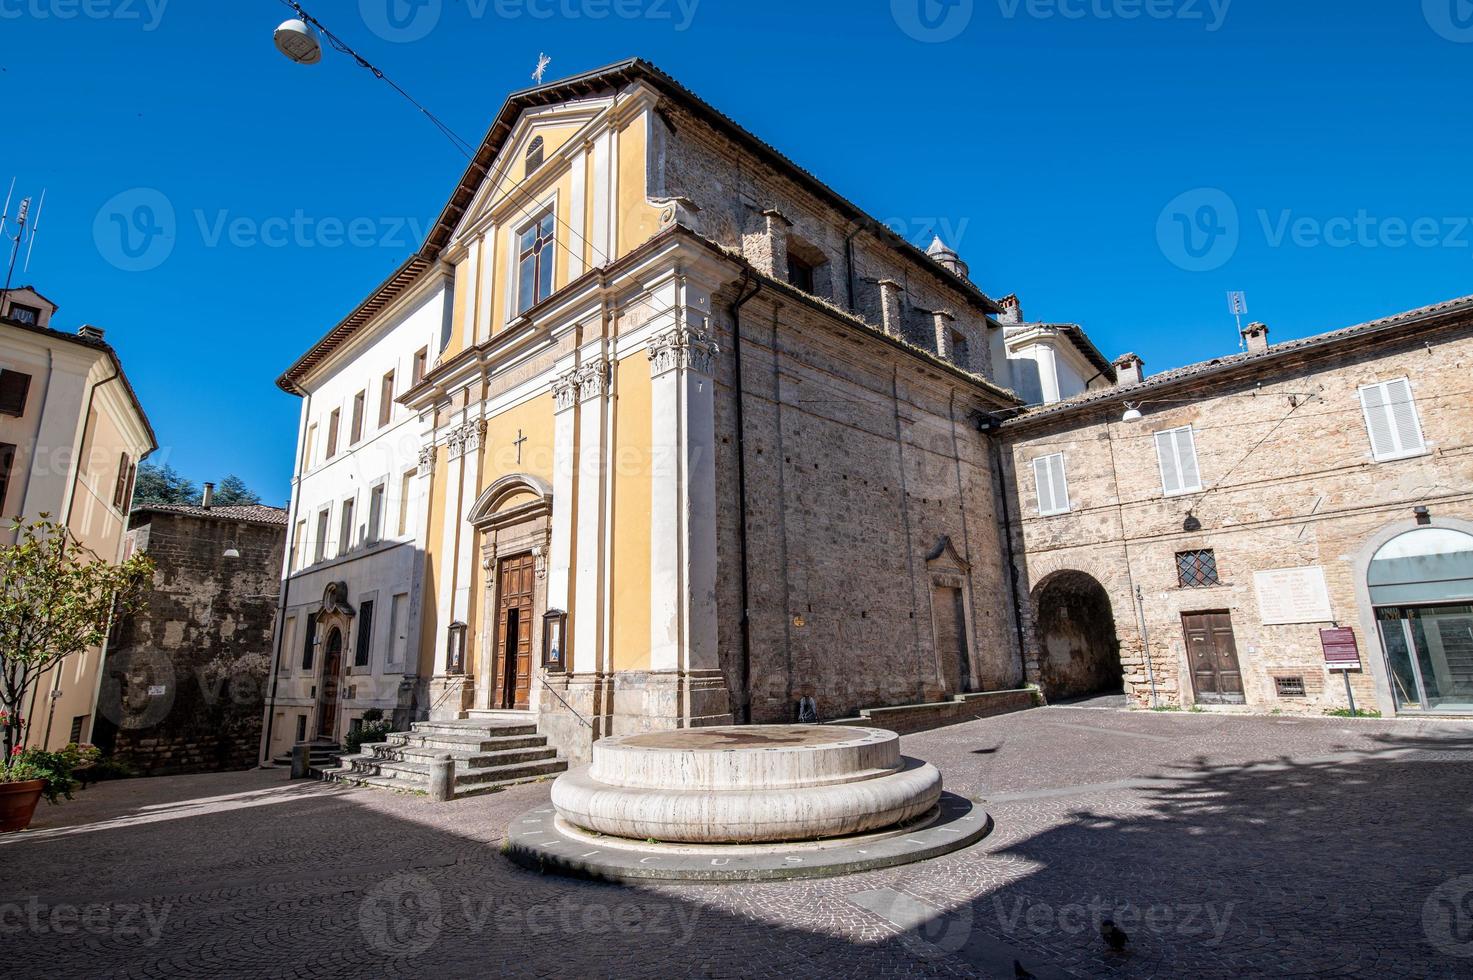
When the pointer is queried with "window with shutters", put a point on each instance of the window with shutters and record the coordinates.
(386, 400)
(120, 485)
(535, 154)
(7, 460)
(1053, 488)
(359, 401)
(365, 634)
(309, 645)
(14, 386)
(332, 432)
(376, 513)
(1176, 451)
(345, 527)
(1391, 420)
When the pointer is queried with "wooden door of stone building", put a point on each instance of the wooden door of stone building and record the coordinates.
(516, 585)
(1213, 653)
(327, 702)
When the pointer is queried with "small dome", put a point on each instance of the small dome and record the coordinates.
(938, 247)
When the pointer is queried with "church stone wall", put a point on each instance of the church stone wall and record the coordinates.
(860, 464)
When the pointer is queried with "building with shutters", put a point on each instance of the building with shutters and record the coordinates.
(1192, 534)
(71, 436)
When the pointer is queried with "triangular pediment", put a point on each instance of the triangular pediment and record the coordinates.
(563, 129)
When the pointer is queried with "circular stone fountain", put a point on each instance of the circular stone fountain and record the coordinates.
(738, 803)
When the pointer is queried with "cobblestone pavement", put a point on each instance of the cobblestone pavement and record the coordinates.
(1222, 845)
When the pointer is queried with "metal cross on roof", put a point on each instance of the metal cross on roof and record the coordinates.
(542, 62)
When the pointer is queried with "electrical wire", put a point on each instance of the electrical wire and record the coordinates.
(464, 147)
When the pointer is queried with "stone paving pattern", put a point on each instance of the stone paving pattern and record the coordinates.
(1225, 846)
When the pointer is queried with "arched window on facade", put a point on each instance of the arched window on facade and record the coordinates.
(534, 155)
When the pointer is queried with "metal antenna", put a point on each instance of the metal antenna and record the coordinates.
(1238, 305)
(5, 215)
(20, 234)
(35, 230)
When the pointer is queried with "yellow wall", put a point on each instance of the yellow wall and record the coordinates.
(631, 557)
(638, 219)
(429, 634)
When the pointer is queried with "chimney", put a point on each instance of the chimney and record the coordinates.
(209, 496)
(943, 320)
(1012, 311)
(90, 332)
(1255, 335)
(1129, 370)
(890, 322)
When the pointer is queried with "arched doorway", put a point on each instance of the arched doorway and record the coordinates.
(1421, 586)
(1079, 651)
(327, 696)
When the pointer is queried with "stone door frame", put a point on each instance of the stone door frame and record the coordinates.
(334, 613)
(509, 528)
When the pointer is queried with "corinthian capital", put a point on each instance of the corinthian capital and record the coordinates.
(681, 347)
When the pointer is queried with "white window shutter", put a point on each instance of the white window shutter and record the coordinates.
(1043, 479)
(1391, 419)
(1403, 412)
(1166, 455)
(1378, 421)
(1061, 484)
(1186, 459)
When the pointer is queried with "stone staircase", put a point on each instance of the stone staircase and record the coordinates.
(320, 755)
(491, 750)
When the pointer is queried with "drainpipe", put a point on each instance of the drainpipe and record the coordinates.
(1007, 523)
(286, 582)
(744, 704)
(849, 263)
(1140, 602)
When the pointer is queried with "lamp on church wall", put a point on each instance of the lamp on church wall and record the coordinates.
(554, 626)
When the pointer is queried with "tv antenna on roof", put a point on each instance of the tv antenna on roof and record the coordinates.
(26, 227)
(1238, 306)
(542, 62)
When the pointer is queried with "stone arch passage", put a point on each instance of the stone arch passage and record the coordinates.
(1079, 650)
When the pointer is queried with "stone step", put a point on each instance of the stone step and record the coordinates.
(486, 729)
(415, 776)
(469, 760)
(456, 744)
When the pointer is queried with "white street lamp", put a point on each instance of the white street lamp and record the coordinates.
(298, 42)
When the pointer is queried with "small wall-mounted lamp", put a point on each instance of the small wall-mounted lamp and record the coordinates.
(554, 629)
(1132, 413)
(1191, 524)
(1424, 516)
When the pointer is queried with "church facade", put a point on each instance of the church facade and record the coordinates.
(680, 437)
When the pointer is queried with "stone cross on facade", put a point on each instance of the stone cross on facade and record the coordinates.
(518, 441)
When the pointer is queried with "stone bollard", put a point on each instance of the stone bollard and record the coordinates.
(301, 761)
(442, 778)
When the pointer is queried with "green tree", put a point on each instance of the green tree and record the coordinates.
(233, 492)
(56, 600)
(163, 485)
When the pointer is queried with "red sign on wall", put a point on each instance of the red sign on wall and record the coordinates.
(1341, 650)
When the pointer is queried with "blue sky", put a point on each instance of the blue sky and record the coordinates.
(1118, 163)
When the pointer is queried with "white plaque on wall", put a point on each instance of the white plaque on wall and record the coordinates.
(1293, 595)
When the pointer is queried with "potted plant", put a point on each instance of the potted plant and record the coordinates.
(34, 774)
(57, 599)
